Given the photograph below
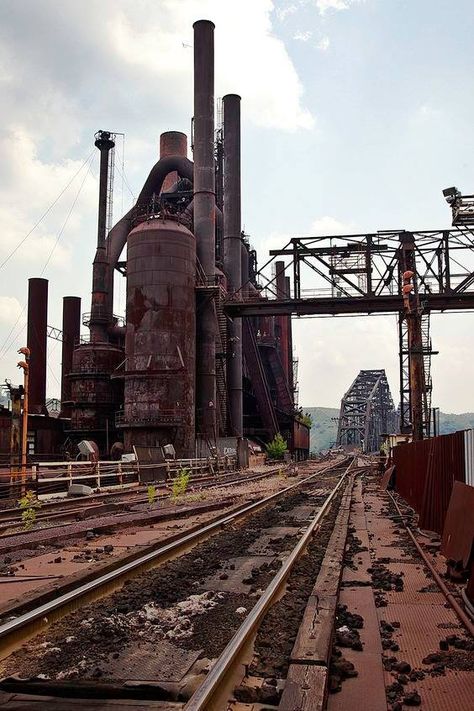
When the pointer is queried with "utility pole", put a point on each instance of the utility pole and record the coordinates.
(24, 365)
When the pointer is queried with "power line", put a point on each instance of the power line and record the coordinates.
(68, 215)
(9, 340)
(22, 241)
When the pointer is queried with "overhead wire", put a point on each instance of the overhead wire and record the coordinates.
(63, 227)
(23, 240)
(10, 339)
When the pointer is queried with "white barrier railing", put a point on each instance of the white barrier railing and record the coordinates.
(105, 474)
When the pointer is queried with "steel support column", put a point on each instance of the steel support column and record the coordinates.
(412, 315)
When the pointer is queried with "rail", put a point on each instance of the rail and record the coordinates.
(209, 694)
(16, 631)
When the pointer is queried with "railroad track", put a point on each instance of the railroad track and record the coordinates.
(66, 511)
(217, 686)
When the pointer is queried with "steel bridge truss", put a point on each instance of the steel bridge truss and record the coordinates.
(362, 274)
(367, 412)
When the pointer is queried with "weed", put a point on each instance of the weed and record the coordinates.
(151, 493)
(277, 447)
(180, 483)
(28, 505)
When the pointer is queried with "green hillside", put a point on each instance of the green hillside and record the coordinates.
(324, 429)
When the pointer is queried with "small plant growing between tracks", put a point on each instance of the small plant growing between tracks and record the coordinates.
(151, 493)
(28, 505)
(277, 447)
(180, 483)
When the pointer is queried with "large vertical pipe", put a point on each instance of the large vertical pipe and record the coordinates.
(100, 268)
(36, 342)
(204, 221)
(244, 267)
(71, 333)
(232, 256)
(172, 143)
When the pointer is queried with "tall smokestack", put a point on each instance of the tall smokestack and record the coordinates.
(36, 342)
(232, 251)
(71, 333)
(100, 268)
(204, 221)
(172, 143)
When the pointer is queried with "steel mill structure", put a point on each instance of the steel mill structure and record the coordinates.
(177, 369)
(367, 412)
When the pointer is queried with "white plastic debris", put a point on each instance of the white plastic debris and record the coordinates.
(343, 629)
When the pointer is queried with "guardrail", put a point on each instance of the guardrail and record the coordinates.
(54, 478)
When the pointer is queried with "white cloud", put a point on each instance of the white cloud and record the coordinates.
(330, 226)
(323, 43)
(283, 12)
(263, 74)
(302, 36)
(10, 310)
(29, 185)
(336, 348)
(325, 5)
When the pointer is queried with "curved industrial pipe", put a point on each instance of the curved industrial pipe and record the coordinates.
(117, 237)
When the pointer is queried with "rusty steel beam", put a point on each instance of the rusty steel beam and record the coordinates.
(412, 312)
(325, 306)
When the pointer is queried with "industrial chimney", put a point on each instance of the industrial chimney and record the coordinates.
(37, 343)
(204, 223)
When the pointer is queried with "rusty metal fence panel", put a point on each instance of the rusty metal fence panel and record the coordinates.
(426, 472)
(411, 461)
(469, 457)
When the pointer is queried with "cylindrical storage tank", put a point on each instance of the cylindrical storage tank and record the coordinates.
(95, 395)
(161, 335)
(172, 143)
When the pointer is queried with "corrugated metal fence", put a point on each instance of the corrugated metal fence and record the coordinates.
(427, 470)
(469, 457)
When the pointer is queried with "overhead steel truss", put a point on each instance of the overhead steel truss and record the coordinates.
(362, 274)
(367, 412)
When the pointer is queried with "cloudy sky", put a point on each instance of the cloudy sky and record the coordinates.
(356, 113)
